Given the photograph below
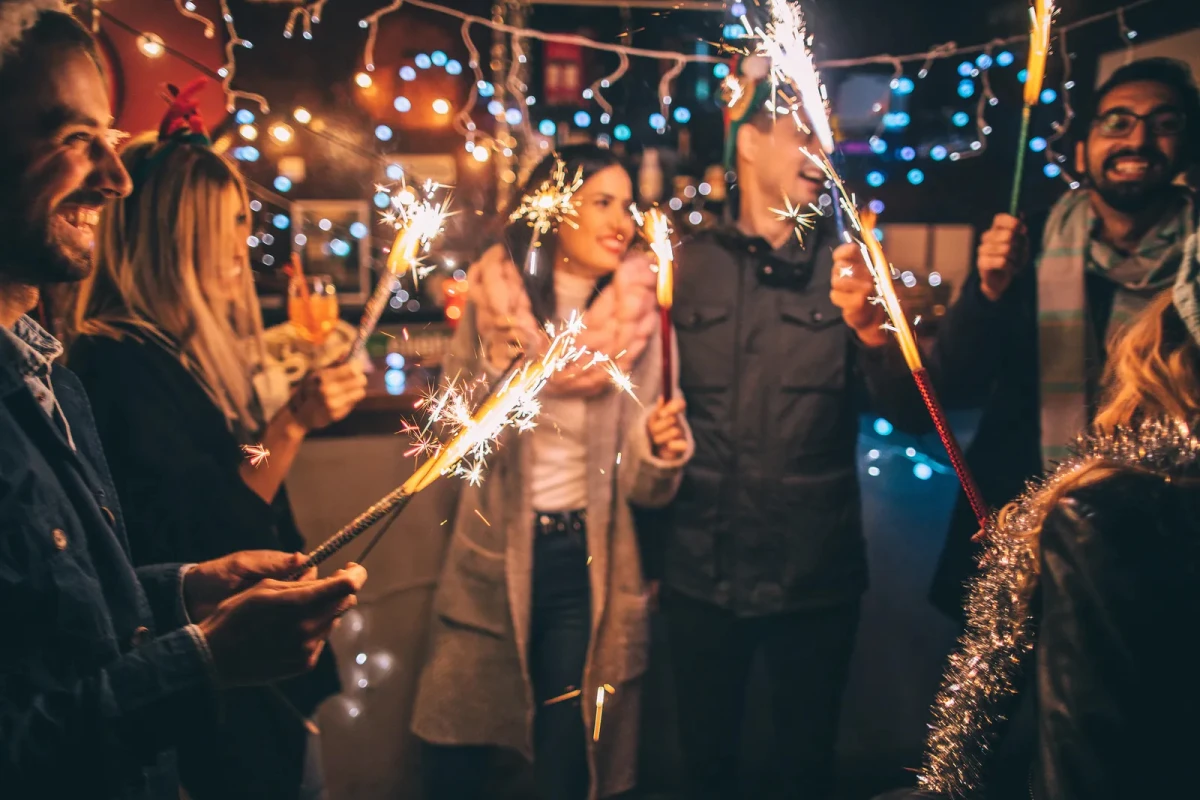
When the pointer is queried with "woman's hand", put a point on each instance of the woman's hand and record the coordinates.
(327, 395)
(665, 427)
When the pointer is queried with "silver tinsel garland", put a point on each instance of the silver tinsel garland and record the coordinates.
(981, 685)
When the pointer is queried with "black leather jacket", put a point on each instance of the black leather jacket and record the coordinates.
(1118, 698)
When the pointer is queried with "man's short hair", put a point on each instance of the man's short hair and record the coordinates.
(53, 31)
(1172, 73)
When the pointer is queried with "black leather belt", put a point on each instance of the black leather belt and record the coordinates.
(548, 522)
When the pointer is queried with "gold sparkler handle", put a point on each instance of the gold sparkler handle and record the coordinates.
(372, 311)
(397, 499)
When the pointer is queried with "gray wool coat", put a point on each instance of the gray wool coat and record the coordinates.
(475, 688)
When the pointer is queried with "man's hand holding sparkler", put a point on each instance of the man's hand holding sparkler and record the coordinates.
(277, 629)
(665, 427)
(1003, 250)
(852, 288)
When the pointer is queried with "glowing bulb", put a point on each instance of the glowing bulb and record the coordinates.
(876, 178)
(151, 45)
(1052, 170)
(1005, 59)
(248, 132)
(244, 116)
(583, 119)
(481, 154)
(363, 80)
(1049, 96)
(878, 146)
(402, 104)
(512, 116)
(1037, 144)
(282, 133)
(695, 217)
(453, 67)
(438, 58)
(923, 471)
(441, 106)
(358, 230)
(721, 71)
(883, 427)
(658, 121)
(915, 176)
(383, 133)
(423, 61)
(547, 127)
(622, 133)
(281, 221)
(984, 61)
(907, 153)
(876, 206)
(408, 73)
(682, 115)
(937, 152)
(966, 88)
(283, 183)
(960, 119)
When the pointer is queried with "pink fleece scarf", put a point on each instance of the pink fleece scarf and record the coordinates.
(618, 324)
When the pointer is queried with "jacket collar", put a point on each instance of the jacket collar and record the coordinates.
(25, 350)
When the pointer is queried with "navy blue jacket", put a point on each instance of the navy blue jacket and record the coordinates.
(96, 674)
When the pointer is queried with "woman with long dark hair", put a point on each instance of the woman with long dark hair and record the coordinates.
(541, 633)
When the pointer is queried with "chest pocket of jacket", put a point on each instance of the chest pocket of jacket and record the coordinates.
(812, 342)
(706, 341)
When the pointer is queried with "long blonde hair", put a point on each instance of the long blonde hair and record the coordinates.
(1153, 370)
(164, 256)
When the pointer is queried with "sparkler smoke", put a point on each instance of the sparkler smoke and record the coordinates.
(547, 207)
(417, 223)
(785, 42)
(470, 437)
(656, 229)
(1041, 14)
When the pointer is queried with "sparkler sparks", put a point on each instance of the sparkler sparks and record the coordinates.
(801, 220)
(417, 224)
(256, 453)
(472, 435)
(656, 229)
(785, 43)
(548, 206)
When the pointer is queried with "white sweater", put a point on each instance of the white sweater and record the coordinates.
(560, 438)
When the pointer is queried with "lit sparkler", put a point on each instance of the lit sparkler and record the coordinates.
(656, 229)
(547, 207)
(785, 40)
(256, 453)
(417, 223)
(472, 436)
(1041, 14)
(786, 45)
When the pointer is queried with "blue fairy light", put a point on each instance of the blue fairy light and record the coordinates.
(1052, 170)
(423, 61)
(583, 119)
(283, 183)
(622, 133)
(937, 152)
(876, 178)
(1037, 144)
(682, 115)
(883, 427)
(281, 221)
(907, 153)
(960, 119)
(915, 176)
(966, 88)
(547, 127)
(1005, 59)
(407, 73)
(383, 133)
(358, 230)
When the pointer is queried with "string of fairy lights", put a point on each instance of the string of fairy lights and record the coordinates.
(975, 84)
(967, 134)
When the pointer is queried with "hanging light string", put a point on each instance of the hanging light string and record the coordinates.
(609, 80)
(230, 68)
(467, 128)
(188, 9)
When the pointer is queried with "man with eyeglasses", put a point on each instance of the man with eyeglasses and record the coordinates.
(1026, 339)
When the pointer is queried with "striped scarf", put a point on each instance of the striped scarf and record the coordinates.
(1071, 353)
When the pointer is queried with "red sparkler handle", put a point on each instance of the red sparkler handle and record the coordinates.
(925, 386)
(668, 374)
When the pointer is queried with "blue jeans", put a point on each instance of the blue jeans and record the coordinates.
(560, 630)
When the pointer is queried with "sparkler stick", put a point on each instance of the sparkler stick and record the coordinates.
(1041, 13)
(418, 224)
(656, 228)
(513, 404)
(784, 37)
(547, 207)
